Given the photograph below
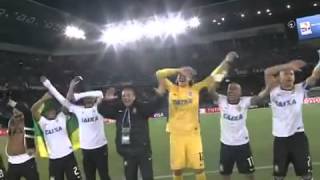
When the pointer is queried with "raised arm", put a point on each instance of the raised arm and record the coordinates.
(96, 94)
(150, 107)
(38, 106)
(219, 73)
(163, 75)
(255, 100)
(110, 104)
(55, 93)
(270, 74)
(73, 83)
(315, 76)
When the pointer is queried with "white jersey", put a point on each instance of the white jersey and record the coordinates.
(56, 136)
(287, 110)
(233, 121)
(91, 126)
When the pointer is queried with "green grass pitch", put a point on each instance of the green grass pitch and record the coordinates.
(259, 124)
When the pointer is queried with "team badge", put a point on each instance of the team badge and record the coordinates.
(276, 168)
(221, 168)
(239, 108)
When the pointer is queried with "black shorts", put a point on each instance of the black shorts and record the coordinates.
(241, 155)
(96, 160)
(2, 170)
(293, 149)
(64, 166)
(28, 170)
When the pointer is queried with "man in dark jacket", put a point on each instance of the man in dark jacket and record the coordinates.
(132, 134)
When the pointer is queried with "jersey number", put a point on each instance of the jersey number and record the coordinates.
(250, 161)
(201, 156)
(1, 173)
(76, 171)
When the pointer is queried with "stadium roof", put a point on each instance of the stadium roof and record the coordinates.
(38, 26)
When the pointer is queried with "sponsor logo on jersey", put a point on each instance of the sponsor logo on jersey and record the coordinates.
(285, 103)
(54, 130)
(182, 101)
(233, 118)
(90, 119)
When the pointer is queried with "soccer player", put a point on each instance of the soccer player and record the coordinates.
(290, 142)
(132, 130)
(53, 123)
(234, 136)
(93, 141)
(184, 123)
(20, 150)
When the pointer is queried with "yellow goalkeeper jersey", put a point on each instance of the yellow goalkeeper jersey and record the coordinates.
(184, 107)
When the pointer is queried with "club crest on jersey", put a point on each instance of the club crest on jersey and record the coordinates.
(134, 110)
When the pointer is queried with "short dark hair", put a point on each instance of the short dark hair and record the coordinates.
(131, 88)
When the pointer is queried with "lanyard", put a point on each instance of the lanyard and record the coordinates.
(126, 114)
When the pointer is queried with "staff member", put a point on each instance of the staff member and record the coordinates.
(132, 134)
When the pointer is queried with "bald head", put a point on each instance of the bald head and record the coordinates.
(234, 93)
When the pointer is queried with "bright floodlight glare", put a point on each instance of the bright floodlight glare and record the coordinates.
(315, 4)
(194, 22)
(268, 10)
(174, 26)
(258, 12)
(214, 21)
(270, 14)
(223, 19)
(132, 32)
(219, 23)
(157, 27)
(74, 32)
(243, 15)
(111, 35)
(288, 6)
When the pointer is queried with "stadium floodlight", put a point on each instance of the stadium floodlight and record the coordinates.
(242, 15)
(194, 22)
(315, 4)
(214, 21)
(156, 27)
(74, 32)
(223, 19)
(176, 25)
(288, 6)
(258, 12)
(268, 10)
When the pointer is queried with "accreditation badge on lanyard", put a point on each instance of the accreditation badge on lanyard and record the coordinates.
(126, 127)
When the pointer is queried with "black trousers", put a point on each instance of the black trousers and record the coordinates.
(132, 164)
(28, 170)
(64, 166)
(96, 159)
